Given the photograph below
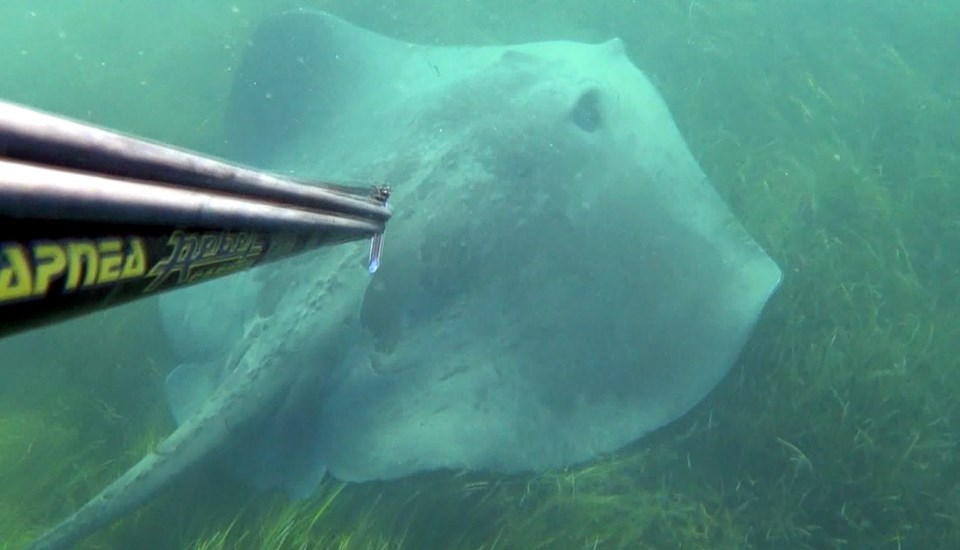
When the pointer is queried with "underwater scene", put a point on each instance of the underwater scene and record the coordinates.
(660, 274)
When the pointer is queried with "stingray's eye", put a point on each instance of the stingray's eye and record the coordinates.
(586, 111)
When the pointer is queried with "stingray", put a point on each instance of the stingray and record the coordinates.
(559, 276)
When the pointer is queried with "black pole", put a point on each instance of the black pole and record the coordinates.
(91, 219)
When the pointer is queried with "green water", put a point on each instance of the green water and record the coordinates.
(832, 128)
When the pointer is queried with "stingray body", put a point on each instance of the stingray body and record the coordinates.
(559, 277)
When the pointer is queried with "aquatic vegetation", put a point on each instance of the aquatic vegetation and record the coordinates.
(837, 427)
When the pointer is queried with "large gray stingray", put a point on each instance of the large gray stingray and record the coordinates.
(559, 276)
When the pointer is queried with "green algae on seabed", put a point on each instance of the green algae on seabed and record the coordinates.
(831, 130)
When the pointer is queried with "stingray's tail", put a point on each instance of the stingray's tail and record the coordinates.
(116, 499)
(185, 447)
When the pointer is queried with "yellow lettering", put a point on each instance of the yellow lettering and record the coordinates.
(16, 280)
(208, 245)
(81, 256)
(110, 260)
(51, 261)
(136, 262)
(85, 263)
